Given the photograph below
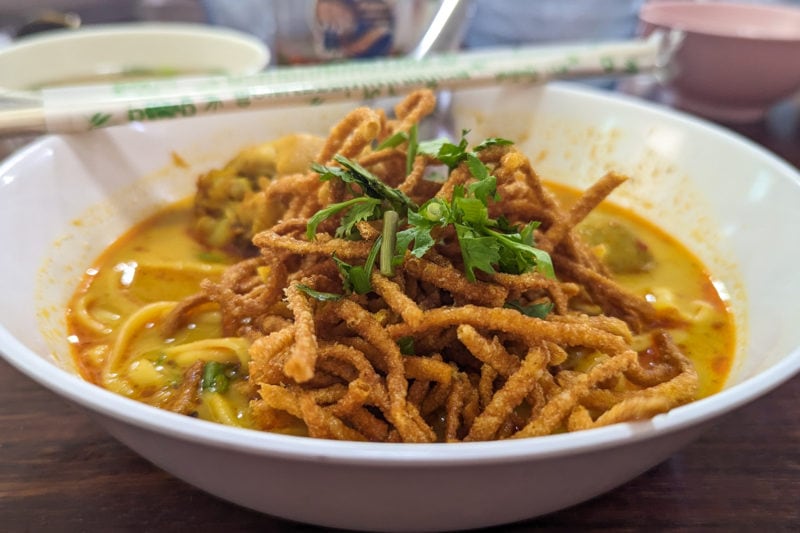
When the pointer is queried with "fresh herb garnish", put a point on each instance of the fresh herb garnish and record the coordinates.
(399, 138)
(394, 141)
(356, 277)
(413, 146)
(215, 377)
(418, 232)
(371, 185)
(211, 257)
(388, 242)
(361, 208)
(487, 244)
(406, 345)
(319, 295)
(533, 310)
(452, 154)
(492, 141)
(446, 152)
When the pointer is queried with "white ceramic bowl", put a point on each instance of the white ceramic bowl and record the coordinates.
(63, 199)
(94, 52)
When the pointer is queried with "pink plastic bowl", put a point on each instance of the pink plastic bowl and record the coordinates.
(736, 60)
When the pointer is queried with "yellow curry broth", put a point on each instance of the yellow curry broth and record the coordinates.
(156, 261)
(159, 260)
(677, 284)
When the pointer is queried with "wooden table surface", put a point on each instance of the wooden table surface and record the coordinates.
(61, 472)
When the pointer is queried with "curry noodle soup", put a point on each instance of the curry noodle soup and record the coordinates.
(401, 290)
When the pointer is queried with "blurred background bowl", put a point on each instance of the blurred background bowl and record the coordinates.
(123, 51)
(736, 61)
(106, 53)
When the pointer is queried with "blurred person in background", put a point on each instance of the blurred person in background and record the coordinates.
(492, 22)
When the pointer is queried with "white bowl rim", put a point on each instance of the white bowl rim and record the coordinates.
(135, 28)
(306, 449)
(145, 29)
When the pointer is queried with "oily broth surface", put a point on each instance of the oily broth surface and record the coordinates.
(126, 277)
(681, 282)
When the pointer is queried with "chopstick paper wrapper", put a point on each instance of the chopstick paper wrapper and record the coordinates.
(85, 108)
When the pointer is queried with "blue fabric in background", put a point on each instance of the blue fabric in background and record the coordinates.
(514, 22)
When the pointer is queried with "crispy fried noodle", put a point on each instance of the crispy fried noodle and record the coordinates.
(415, 291)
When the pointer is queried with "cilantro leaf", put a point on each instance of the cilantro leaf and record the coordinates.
(533, 310)
(544, 263)
(478, 252)
(518, 256)
(452, 154)
(373, 186)
(445, 151)
(327, 212)
(367, 210)
(526, 235)
(418, 233)
(487, 244)
(492, 141)
(476, 167)
(328, 173)
(319, 295)
(485, 189)
(471, 211)
(431, 147)
(356, 278)
(394, 141)
(420, 237)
